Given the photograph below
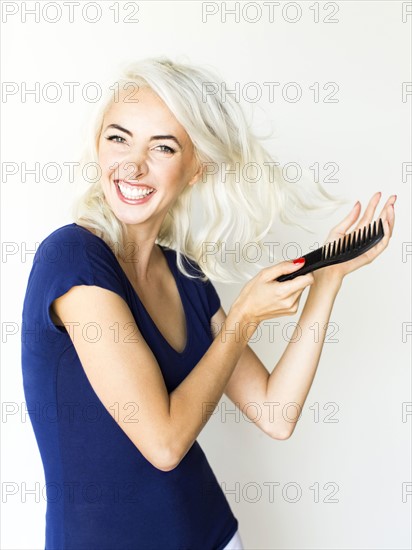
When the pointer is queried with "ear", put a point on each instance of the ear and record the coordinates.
(196, 176)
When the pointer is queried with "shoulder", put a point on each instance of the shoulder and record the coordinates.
(59, 234)
(74, 243)
(72, 252)
(59, 239)
(70, 232)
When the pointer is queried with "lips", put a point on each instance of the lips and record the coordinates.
(128, 183)
(133, 194)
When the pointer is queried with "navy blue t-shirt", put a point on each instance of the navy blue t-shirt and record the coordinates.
(102, 493)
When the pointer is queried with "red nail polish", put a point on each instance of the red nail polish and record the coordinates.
(299, 261)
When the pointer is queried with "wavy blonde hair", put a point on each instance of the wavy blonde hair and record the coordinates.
(238, 208)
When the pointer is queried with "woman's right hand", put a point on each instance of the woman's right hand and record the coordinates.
(265, 298)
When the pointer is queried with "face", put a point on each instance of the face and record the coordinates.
(142, 148)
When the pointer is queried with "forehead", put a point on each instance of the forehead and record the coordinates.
(137, 106)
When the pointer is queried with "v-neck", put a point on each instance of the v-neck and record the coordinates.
(174, 271)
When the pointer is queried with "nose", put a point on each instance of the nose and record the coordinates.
(134, 170)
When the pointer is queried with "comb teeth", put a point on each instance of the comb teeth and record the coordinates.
(358, 237)
(352, 240)
(347, 243)
(347, 247)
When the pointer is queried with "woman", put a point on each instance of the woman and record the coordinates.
(126, 349)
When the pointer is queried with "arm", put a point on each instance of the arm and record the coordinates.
(292, 378)
(126, 371)
(293, 375)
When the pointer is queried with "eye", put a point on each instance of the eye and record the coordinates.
(166, 149)
(116, 139)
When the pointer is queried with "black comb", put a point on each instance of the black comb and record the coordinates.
(344, 249)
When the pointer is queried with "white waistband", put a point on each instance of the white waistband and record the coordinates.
(235, 543)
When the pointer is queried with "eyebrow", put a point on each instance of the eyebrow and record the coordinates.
(117, 127)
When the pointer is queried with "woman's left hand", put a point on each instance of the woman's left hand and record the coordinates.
(336, 273)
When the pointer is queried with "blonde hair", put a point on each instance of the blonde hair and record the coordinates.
(237, 207)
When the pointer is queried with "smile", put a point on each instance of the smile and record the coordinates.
(134, 194)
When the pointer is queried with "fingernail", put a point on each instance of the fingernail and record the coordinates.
(299, 261)
(357, 202)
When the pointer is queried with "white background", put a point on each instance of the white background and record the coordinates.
(364, 376)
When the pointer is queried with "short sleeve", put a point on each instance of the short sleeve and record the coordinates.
(212, 297)
(207, 288)
(68, 257)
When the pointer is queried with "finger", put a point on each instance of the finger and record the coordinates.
(389, 217)
(388, 212)
(383, 243)
(342, 227)
(295, 305)
(296, 296)
(391, 200)
(370, 211)
(379, 247)
(281, 268)
(296, 285)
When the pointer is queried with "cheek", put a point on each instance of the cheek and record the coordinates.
(102, 158)
(108, 158)
(105, 160)
(170, 171)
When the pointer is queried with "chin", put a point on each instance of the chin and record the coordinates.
(128, 217)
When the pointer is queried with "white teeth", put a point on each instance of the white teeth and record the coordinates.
(134, 193)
